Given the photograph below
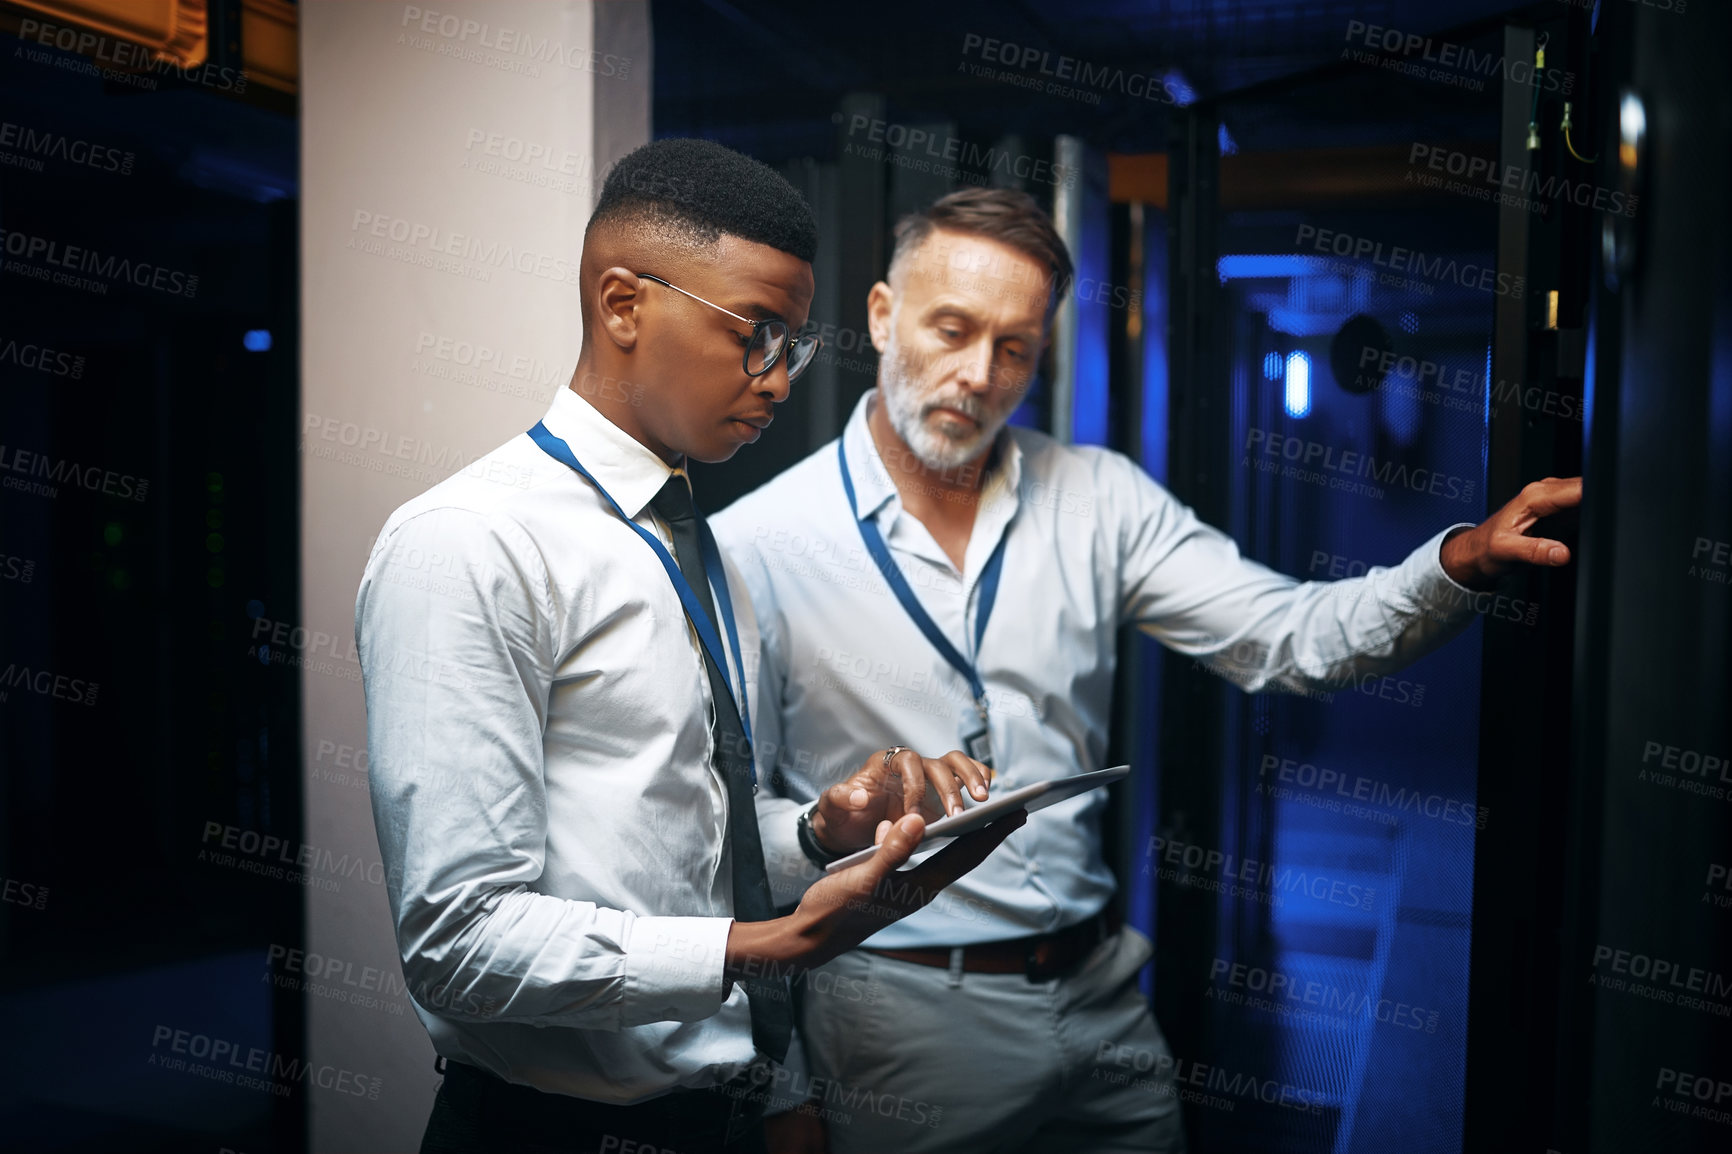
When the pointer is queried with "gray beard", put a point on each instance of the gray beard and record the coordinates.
(907, 412)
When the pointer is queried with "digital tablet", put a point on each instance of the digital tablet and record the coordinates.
(982, 814)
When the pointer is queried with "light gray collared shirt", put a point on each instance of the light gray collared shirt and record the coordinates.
(1093, 544)
(540, 758)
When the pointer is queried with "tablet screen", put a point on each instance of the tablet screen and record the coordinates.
(982, 814)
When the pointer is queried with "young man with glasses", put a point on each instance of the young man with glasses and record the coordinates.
(1011, 1008)
(560, 728)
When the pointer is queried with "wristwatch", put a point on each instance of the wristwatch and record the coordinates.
(809, 844)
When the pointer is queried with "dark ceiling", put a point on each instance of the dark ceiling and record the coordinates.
(767, 76)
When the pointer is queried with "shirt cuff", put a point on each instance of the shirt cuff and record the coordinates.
(1433, 590)
(674, 969)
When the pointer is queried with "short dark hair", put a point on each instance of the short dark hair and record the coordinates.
(698, 190)
(1007, 215)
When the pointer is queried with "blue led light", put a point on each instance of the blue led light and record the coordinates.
(1179, 88)
(1297, 394)
(1240, 266)
(257, 340)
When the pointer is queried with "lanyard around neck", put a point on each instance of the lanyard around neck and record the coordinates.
(893, 577)
(712, 557)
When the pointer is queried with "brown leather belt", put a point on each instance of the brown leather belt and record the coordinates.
(1041, 957)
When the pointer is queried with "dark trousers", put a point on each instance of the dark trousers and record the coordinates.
(478, 1113)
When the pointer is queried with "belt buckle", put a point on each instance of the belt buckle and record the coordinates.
(1033, 964)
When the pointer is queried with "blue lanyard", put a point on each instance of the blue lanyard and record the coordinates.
(911, 605)
(561, 452)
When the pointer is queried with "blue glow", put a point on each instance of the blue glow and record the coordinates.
(1485, 417)
(1092, 252)
(1155, 398)
(1241, 266)
(1179, 88)
(1272, 366)
(1229, 146)
(1297, 395)
(257, 340)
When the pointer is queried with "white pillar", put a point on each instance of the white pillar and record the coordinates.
(450, 155)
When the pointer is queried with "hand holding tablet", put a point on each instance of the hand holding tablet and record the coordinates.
(978, 816)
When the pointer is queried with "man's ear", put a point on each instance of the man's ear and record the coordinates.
(879, 303)
(618, 292)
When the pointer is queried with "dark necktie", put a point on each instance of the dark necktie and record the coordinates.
(772, 1017)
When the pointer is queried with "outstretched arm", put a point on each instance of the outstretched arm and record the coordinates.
(1186, 583)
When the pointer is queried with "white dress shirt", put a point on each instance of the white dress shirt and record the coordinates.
(538, 728)
(1093, 543)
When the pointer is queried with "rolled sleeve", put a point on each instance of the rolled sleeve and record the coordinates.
(1186, 584)
(674, 969)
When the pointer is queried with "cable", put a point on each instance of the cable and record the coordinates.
(1534, 108)
(1569, 144)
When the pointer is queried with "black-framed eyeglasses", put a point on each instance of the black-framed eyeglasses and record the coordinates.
(770, 339)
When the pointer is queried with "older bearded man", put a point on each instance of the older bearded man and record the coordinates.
(934, 576)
